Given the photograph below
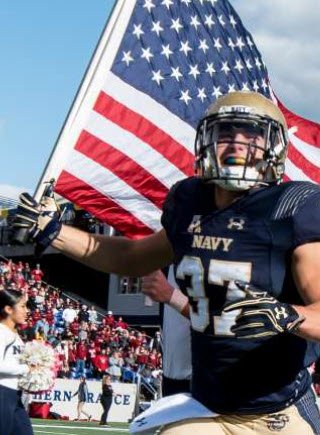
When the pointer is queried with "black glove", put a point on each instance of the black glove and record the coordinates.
(40, 220)
(261, 314)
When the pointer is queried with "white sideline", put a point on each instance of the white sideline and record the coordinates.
(78, 428)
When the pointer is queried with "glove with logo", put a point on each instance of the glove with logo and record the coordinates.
(40, 220)
(261, 314)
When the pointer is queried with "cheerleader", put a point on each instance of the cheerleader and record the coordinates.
(14, 419)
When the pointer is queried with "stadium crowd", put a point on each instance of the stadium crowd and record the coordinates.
(88, 344)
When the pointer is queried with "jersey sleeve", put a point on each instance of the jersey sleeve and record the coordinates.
(9, 368)
(168, 218)
(306, 221)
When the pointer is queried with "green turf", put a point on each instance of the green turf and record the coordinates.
(58, 427)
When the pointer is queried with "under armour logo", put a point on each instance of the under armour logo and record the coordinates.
(141, 421)
(236, 224)
(281, 312)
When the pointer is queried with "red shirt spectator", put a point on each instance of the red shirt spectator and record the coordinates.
(109, 319)
(136, 340)
(37, 273)
(81, 351)
(18, 278)
(49, 316)
(71, 354)
(92, 352)
(36, 315)
(153, 359)
(101, 362)
(142, 356)
(121, 324)
(74, 327)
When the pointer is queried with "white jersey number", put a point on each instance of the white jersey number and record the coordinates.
(222, 273)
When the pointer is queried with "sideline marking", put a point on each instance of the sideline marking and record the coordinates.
(118, 429)
(56, 433)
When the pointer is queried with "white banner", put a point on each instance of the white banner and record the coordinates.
(122, 408)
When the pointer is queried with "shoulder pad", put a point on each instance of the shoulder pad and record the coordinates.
(294, 196)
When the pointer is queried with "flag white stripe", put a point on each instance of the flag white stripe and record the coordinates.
(133, 147)
(295, 173)
(310, 152)
(109, 185)
(89, 90)
(137, 101)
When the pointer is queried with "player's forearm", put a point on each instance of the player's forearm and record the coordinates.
(107, 254)
(118, 255)
(310, 327)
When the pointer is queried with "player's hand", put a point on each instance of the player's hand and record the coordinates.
(156, 286)
(261, 314)
(41, 220)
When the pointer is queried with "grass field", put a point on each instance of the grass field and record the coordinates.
(51, 427)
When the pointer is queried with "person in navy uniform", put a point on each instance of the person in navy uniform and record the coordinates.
(14, 419)
(246, 255)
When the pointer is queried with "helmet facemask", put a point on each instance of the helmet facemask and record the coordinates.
(238, 149)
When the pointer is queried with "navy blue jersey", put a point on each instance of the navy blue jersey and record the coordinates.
(252, 240)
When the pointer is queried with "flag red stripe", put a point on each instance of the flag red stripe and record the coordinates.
(304, 164)
(308, 131)
(122, 166)
(146, 131)
(100, 206)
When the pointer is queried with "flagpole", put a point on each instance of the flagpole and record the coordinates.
(50, 171)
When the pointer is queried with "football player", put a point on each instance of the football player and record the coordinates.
(246, 253)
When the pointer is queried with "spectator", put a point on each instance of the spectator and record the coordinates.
(83, 331)
(109, 319)
(64, 370)
(146, 373)
(43, 324)
(155, 342)
(37, 273)
(120, 324)
(124, 338)
(81, 357)
(129, 368)
(100, 364)
(115, 364)
(142, 356)
(36, 316)
(82, 394)
(40, 335)
(153, 359)
(69, 314)
(83, 314)
(71, 354)
(106, 399)
(93, 315)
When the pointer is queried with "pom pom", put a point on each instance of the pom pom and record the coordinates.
(44, 362)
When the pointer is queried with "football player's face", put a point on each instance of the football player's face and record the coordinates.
(233, 145)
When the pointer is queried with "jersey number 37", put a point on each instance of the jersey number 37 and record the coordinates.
(220, 273)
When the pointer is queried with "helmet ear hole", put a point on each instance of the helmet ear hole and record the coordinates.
(261, 167)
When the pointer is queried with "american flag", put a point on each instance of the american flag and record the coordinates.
(129, 135)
